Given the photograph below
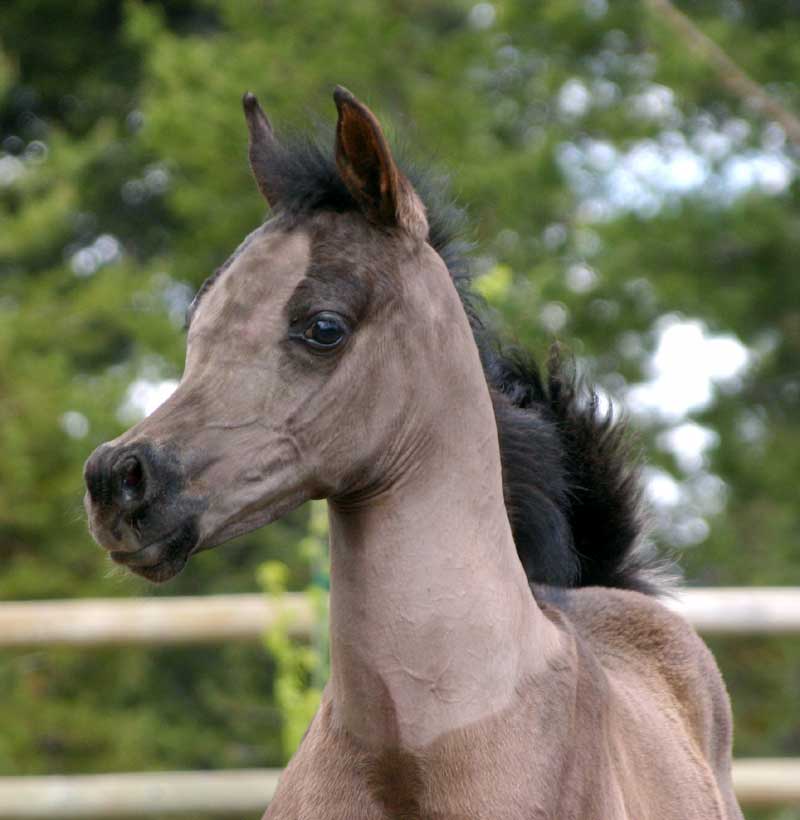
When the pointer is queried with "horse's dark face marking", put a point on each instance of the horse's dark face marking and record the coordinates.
(291, 390)
(326, 304)
(299, 384)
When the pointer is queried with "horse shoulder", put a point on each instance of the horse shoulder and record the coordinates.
(322, 778)
(645, 646)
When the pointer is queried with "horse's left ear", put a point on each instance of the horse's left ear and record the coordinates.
(263, 148)
(369, 171)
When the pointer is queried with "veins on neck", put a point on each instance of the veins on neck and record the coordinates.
(433, 624)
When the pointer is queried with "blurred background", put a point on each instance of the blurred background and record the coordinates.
(631, 176)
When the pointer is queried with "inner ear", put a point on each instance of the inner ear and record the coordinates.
(369, 171)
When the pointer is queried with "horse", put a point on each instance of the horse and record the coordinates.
(497, 645)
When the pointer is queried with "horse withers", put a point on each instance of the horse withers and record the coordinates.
(497, 650)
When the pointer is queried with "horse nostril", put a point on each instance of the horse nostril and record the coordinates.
(132, 481)
(132, 476)
(125, 478)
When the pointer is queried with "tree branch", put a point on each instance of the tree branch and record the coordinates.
(753, 95)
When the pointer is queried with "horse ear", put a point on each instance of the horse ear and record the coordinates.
(263, 146)
(368, 170)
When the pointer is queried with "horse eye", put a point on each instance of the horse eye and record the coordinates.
(325, 332)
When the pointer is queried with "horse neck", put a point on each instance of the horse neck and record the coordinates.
(433, 624)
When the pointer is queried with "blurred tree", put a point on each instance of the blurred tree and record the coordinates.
(624, 198)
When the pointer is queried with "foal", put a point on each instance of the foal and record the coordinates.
(332, 357)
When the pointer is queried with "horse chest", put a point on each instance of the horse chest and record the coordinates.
(467, 778)
(338, 784)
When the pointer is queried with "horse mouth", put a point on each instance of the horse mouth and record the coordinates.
(164, 558)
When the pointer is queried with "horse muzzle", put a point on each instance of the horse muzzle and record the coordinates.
(138, 509)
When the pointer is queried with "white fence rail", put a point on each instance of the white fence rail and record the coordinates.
(137, 795)
(761, 782)
(740, 610)
(95, 622)
(217, 618)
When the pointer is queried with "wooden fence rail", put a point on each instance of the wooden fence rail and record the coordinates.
(759, 782)
(740, 610)
(137, 795)
(96, 622)
(218, 618)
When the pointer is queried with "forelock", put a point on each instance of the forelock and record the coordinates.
(307, 180)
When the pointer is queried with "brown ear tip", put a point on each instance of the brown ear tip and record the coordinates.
(341, 96)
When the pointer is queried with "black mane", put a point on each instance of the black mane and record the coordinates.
(572, 490)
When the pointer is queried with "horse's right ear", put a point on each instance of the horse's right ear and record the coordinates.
(263, 147)
(369, 171)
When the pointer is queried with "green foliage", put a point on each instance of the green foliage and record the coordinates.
(300, 670)
(124, 183)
